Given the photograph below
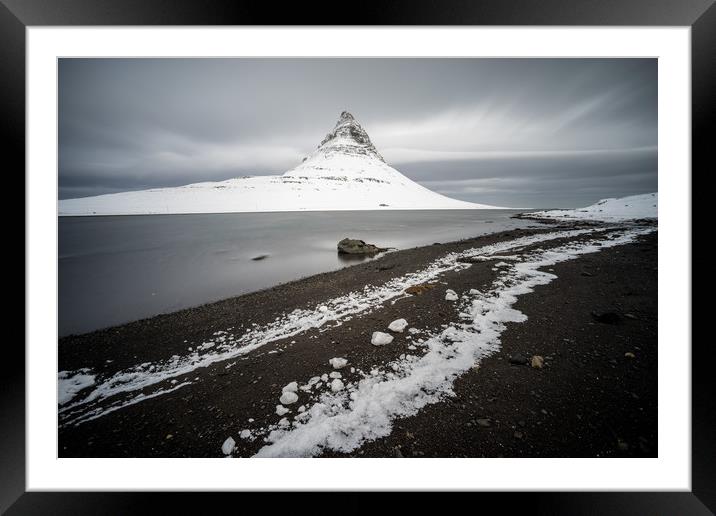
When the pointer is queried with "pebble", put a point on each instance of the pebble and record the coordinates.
(537, 362)
(518, 360)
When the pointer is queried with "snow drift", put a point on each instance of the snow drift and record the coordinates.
(346, 172)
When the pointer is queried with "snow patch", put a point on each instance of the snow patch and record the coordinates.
(70, 383)
(643, 206)
(338, 363)
(336, 385)
(288, 397)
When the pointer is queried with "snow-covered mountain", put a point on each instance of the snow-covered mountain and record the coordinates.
(345, 172)
(643, 206)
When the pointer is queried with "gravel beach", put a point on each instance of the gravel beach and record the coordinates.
(577, 378)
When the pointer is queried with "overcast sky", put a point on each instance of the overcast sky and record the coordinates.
(511, 132)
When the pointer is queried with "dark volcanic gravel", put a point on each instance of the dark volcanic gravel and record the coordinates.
(594, 396)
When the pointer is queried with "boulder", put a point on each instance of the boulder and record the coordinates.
(354, 246)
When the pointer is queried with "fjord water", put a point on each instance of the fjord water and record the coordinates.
(114, 270)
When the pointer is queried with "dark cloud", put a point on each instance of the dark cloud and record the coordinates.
(516, 132)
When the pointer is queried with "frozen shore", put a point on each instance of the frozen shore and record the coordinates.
(460, 379)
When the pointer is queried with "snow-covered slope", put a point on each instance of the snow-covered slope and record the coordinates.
(346, 172)
(633, 207)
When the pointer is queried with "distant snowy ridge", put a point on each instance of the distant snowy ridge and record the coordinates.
(345, 172)
(643, 206)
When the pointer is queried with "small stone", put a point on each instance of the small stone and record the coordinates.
(607, 317)
(483, 422)
(537, 362)
(417, 290)
(518, 360)
(629, 354)
(169, 436)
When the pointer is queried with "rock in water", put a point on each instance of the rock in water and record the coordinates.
(354, 246)
(380, 339)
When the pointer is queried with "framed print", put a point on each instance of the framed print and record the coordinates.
(446, 247)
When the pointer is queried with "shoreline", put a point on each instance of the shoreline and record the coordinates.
(248, 388)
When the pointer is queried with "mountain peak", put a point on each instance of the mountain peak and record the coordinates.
(345, 115)
(349, 137)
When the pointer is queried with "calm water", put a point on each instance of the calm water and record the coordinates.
(114, 270)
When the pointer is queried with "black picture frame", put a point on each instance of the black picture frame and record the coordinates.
(700, 15)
